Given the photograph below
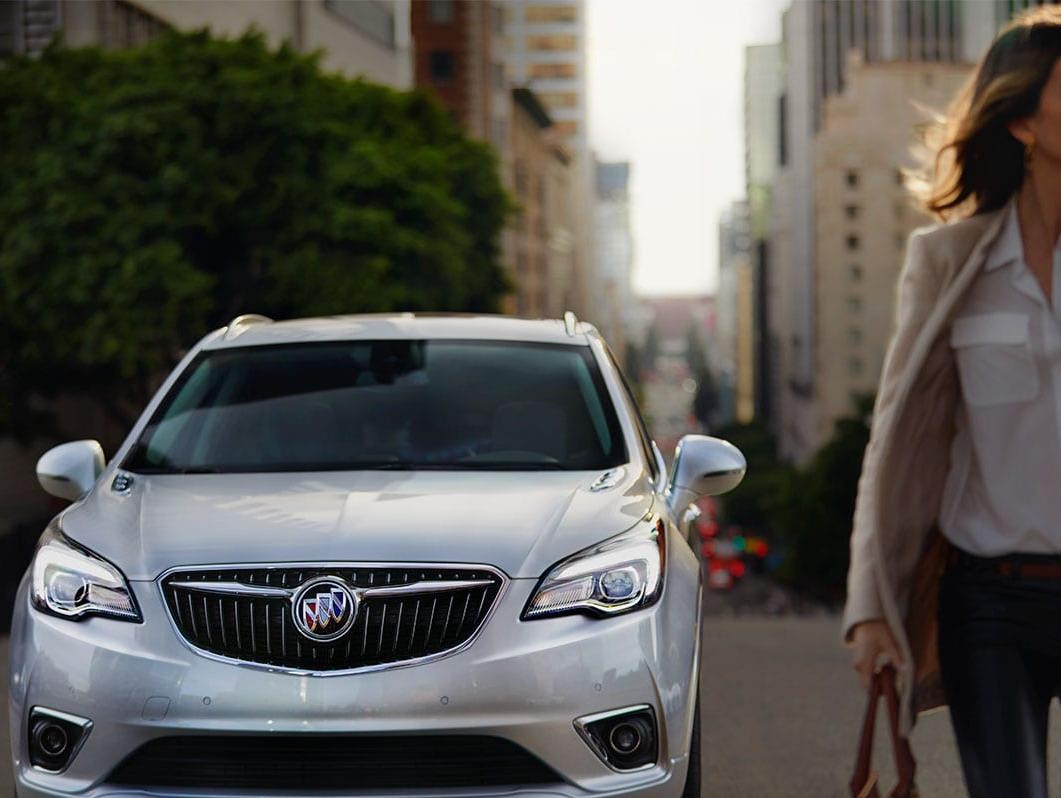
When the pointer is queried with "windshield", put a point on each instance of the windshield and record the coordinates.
(401, 404)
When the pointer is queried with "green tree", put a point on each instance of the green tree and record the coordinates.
(805, 511)
(705, 401)
(759, 501)
(147, 195)
(818, 505)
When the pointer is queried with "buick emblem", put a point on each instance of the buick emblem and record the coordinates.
(324, 609)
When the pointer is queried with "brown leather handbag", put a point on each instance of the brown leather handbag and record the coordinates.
(864, 781)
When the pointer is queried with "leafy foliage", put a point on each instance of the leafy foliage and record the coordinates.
(807, 510)
(705, 401)
(147, 195)
(758, 502)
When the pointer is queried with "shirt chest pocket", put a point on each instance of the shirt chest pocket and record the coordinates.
(995, 361)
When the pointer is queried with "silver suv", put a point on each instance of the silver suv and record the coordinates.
(369, 555)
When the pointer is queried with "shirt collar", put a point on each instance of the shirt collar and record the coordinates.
(1009, 246)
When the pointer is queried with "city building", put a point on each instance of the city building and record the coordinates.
(614, 248)
(539, 243)
(863, 218)
(359, 38)
(763, 89)
(818, 37)
(669, 386)
(791, 320)
(735, 332)
(545, 51)
(459, 58)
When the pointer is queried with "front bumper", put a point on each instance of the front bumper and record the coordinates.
(522, 681)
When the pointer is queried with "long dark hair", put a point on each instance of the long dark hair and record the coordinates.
(975, 163)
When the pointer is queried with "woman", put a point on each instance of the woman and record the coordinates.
(956, 550)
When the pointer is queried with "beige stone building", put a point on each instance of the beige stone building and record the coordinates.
(863, 215)
(746, 340)
(733, 342)
(539, 245)
(614, 251)
(460, 57)
(545, 51)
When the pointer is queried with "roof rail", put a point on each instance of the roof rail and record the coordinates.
(570, 322)
(241, 323)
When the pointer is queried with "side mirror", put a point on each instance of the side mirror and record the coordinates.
(703, 466)
(71, 469)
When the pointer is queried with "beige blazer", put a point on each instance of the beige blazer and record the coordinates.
(896, 549)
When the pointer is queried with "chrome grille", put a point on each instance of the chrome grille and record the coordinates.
(405, 614)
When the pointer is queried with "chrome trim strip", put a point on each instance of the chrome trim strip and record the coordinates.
(241, 589)
(84, 723)
(235, 589)
(324, 564)
(405, 663)
(418, 587)
(583, 732)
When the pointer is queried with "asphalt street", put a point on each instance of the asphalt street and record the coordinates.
(781, 714)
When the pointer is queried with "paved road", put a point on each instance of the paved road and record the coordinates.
(780, 713)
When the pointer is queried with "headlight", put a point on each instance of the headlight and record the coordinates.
(621, 574)
(71, 582)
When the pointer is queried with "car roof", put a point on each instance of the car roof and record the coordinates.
(252, 330)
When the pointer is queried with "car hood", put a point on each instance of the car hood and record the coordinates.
(519, 522)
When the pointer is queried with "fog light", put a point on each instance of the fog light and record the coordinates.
(50, 737)
(54, 738)
(624, 738)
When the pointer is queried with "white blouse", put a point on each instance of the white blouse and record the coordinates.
(1003, 491)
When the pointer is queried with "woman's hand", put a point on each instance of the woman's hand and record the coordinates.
(871, 639)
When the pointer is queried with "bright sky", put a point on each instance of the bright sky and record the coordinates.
(666, 93)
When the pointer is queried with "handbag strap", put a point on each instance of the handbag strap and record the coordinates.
(864, 780)
(905, 766)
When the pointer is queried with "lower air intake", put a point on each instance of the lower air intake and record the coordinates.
(316, 762)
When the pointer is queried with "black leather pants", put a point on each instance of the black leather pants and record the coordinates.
(1000, 657)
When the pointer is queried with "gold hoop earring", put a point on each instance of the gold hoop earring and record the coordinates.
(1029, 149)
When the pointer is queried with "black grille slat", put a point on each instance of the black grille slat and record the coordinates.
(268, 631)
(412, 629)
(317, 762)
(191, 614)
(207, 625)
(388, 629)
(398, 628)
